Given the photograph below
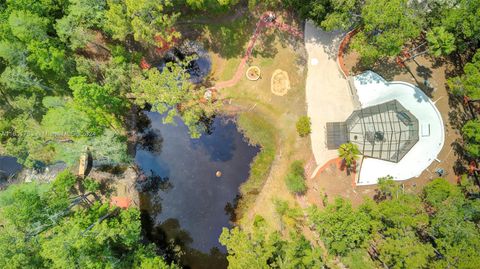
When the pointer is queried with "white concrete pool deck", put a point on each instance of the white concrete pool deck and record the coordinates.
(372, 90)
(327, 93)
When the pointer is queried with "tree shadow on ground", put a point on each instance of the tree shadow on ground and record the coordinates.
(265, 44)
(437, 62)
(329, 41)
(388, 69)
(463, 159)
(424, 72)
(229, 40)
(457, 119)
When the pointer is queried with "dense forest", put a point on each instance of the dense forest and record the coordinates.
(435, 229)
(71, 79)
(68, 68)
(48, 226)
(57, 226)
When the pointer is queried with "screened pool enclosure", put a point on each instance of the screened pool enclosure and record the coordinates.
(385, 131)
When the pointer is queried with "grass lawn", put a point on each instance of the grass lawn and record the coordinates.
(259, 132)
(269, 120)
(266, 119)
(224, 69)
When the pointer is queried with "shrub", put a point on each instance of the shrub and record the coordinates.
(91, 185)
(304, 126)
(295, 178)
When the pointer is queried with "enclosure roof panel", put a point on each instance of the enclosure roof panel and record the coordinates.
(385, 131)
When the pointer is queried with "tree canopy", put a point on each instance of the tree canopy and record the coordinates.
(40, 230)
(405, 230)
(68, 69)
(468, 83)
(145, 20)
(261, 249)
(171, 92)
(386, 27)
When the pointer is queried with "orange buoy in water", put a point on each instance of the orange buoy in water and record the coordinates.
(218, 174)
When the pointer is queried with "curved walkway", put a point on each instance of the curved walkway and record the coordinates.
(262, 23)
(327, 93)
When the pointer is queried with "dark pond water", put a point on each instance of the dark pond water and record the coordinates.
(8, 166)
(198, 68)
(190, 205)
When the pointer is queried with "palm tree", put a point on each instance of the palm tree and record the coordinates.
(349, 153)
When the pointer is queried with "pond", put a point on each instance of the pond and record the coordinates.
(8, 166)
(190, 204)
(198, 68)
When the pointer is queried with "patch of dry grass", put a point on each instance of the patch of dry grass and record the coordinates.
(269, 120)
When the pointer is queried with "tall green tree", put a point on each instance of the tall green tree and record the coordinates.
(100, 103)
(386, 26)
(150, 22)
(453, 225)
(107, 148)
(468, 84)
(461, 19)
(341, 227)
(96, 236)
(27, 26)
(344, 14)
(471, 134)
(404, 250)
(20, 78)
(440, 42)
(262, 249)
(48, 57)
(75, 27)
(171, 92)
(212, 5)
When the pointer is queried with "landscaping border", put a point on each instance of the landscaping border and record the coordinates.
(341, 49)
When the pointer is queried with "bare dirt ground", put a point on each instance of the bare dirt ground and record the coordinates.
(333, 181)
(280, 83)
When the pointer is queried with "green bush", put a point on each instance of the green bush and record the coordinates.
(91, 185)
(304, 126)
(295, 178)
